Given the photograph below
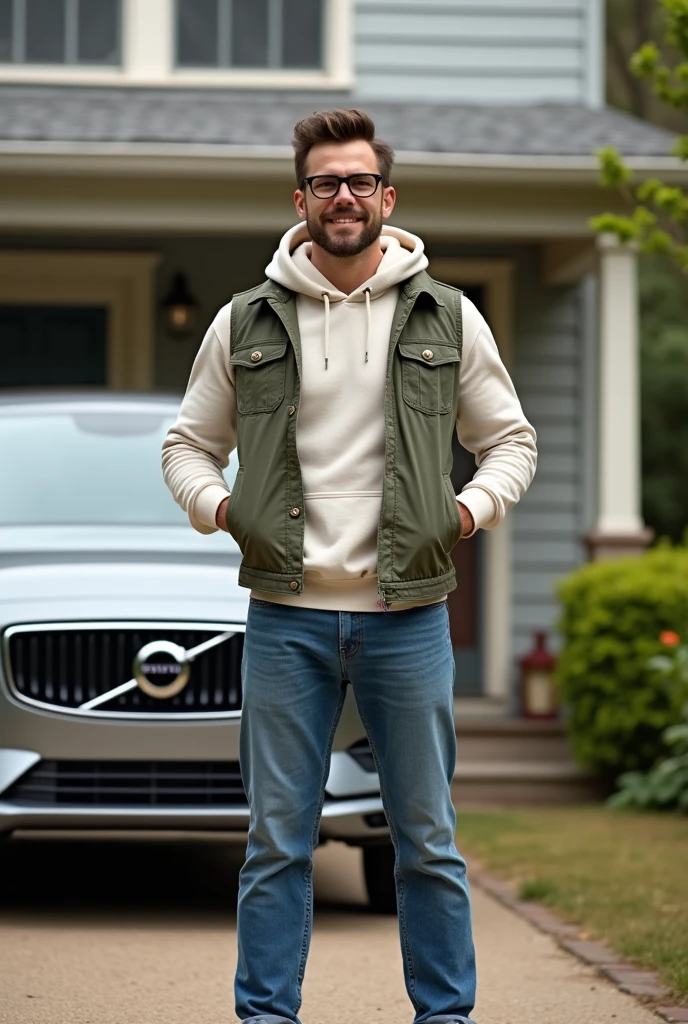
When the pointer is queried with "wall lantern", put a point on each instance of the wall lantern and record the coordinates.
(180, 307)
(539, 697)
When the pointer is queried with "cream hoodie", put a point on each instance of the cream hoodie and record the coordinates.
(340, 427)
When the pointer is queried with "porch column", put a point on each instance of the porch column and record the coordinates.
(619, 529)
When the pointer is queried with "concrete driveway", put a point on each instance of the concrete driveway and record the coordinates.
(116, 930)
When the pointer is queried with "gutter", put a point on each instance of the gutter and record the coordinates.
(201, 161)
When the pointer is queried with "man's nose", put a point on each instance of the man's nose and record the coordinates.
(344, 195)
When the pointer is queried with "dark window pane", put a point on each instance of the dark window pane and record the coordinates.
(250, 33)
(98, 31)
(197, 28)
(45, 31)
(5, 30)
(302, 34)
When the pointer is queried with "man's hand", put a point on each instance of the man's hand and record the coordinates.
(467, 522)
(221, 515)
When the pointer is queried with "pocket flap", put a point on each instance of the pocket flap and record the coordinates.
(429, 353)
(259, 354)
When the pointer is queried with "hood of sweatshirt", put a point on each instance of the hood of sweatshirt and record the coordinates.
(403, 256)
(291, 266)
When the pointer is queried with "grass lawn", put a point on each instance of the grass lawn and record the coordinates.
(620, 875)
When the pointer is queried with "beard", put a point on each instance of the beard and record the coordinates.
(342, 246)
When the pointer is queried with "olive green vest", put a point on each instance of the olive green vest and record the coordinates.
(419, 520)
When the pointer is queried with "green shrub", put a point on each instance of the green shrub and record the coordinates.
(617, 706)
(665, 786)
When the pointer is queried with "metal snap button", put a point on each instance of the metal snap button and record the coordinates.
(295, 512)
(255, 356)
(293, 585)
(427, 353)
(291, 410)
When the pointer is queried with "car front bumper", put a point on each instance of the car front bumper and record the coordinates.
(344, 820)
(63, 769)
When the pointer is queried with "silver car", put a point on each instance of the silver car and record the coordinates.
(122, 634)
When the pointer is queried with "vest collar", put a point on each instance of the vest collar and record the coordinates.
(422, 282)
(270, 290)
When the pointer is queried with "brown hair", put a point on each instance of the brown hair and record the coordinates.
(338, 126)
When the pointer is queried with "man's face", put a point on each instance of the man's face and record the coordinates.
(346, 224)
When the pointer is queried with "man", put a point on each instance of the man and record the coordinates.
(341, 380)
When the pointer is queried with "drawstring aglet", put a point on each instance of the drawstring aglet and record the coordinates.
(367, 301)
(326, 300)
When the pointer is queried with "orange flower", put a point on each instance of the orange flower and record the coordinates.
(669, 638)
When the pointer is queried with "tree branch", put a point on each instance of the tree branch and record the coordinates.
(636, 93)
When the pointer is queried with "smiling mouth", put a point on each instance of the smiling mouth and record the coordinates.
(344, 220)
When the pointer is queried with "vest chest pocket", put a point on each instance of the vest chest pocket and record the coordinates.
(260, 376)
(428, 373)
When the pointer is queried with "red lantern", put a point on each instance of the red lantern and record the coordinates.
(539, 698)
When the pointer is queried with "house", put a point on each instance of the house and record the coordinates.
(140, 141)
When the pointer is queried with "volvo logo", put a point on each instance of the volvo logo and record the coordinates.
(162, 669)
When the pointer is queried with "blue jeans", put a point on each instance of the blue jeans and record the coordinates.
(400, 665)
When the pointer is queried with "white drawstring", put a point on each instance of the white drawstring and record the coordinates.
(326, 300)
(367, 295)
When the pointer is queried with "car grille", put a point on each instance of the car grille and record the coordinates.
(130, 784)
(63, 667)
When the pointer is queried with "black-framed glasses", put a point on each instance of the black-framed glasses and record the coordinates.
(327, 186)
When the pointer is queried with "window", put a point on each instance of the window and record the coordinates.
(249, 34)
(60, 31)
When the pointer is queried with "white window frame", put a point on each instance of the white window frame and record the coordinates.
(122, 282)
(148, 57)
(496, 277)
(25, 68)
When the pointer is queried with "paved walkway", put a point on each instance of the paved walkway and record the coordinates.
(81, 965)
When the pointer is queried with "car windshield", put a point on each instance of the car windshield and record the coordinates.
(86, 468)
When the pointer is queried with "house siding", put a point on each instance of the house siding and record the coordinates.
(482, 51)
(549, 524)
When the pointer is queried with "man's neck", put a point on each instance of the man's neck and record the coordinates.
(347, 273)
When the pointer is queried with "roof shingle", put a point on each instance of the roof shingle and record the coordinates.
(218, 117)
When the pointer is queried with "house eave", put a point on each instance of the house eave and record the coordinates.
(175, 160)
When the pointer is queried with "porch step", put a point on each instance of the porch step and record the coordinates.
(511, 739)
(507, 761)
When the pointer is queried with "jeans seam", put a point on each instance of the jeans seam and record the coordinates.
(397, 874)
(358, 633)
(308, 875)
(345, 656)
(340, 639)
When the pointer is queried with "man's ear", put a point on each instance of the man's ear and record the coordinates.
(389, 198)
(300, 203)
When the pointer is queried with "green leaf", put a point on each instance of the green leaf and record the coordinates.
(648, 189)
(661, 663)
(645, 61)
(623, 227)
(658, 243)
(613, 170)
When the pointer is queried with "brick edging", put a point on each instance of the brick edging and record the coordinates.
(625, 975)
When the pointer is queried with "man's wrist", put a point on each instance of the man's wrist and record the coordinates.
(221, 515)
(467, 520)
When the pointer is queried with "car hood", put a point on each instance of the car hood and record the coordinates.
(20, 545)
(145, 574)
